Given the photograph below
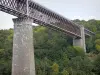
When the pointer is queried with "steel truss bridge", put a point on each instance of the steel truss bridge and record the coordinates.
(41, 16)
(27, 12)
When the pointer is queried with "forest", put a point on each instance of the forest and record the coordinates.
(54, 52)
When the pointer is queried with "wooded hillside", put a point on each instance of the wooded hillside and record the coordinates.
(54, 53)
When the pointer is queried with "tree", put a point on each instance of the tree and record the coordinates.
(97, 65)
(70, 52)
(97, 42)
(55, 69)
(79, 51)
(65, 72)
(80, 66)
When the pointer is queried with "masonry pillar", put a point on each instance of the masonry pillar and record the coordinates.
(80, 41)
(23, 52)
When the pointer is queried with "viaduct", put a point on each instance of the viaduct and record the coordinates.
(28, 12)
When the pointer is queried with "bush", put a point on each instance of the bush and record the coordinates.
(79, 51)
(97, 65)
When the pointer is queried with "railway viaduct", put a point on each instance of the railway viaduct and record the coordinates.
(28, 12)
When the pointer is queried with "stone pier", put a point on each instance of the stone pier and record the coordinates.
(80, 41)
(23, 62)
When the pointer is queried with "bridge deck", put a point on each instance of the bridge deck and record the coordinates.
(40, 15)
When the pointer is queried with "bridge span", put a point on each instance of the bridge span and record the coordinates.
(28, 12)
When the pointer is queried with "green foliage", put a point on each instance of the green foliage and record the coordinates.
(65, 72)
(97, 42)
(97, 65)
(98, 35)
(74, 51)
(43, 66)
(79, 51)
(70, 52)
(98, 47)
(55, 69)
(5, 51)
(65, 60)
(51, 46)
(89, 46)
(80, 66)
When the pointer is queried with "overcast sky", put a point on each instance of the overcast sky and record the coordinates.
(71, 9)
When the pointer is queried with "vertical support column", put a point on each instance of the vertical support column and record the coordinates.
(23, 52)
(80, 41)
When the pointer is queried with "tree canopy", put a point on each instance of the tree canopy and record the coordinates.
(54, 52)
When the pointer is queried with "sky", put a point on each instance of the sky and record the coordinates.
(71, 9)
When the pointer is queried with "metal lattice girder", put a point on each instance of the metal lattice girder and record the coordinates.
(40, 15)
(88, 32)
(50, 18)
